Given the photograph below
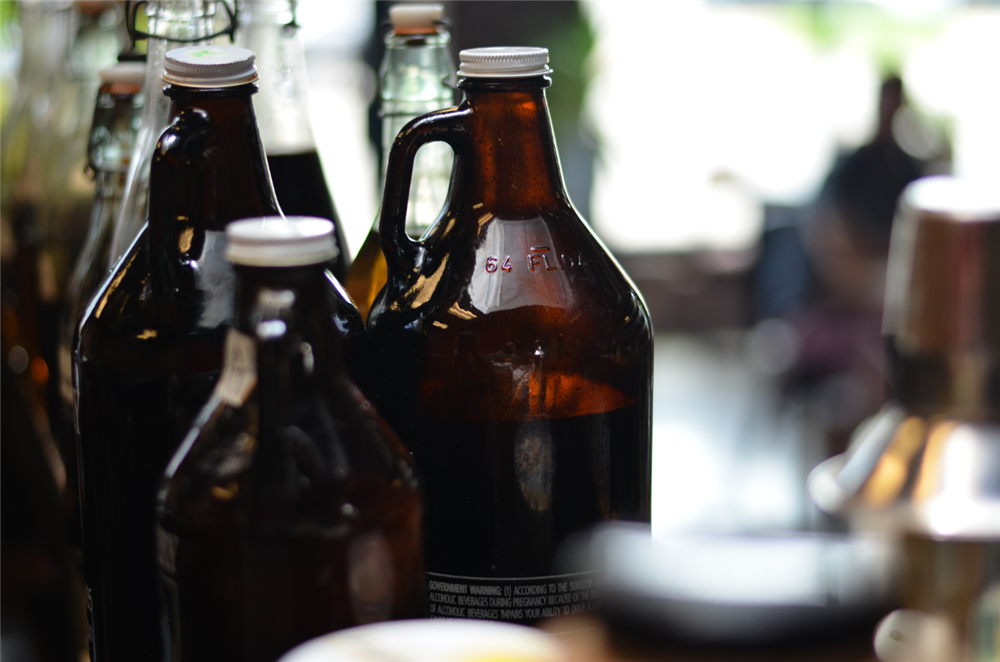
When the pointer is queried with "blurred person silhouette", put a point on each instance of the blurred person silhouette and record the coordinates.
(846, 241)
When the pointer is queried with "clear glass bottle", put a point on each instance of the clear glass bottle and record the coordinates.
(150, 345)
(269, 29)
(509, 350)
(172, 23)
(291, 509)
(417, 76)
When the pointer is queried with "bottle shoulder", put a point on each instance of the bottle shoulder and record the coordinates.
(135, 325)
(549, 268)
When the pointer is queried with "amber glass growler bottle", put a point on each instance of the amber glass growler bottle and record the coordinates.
(291, 509)
(150, 345)
(510, 353)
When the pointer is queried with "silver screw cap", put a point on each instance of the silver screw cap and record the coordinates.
(273, 241)
(504, 62)
(210, 66)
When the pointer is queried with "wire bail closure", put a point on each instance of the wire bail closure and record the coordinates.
(132, 13)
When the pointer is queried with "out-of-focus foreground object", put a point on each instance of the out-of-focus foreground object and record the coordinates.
(291, 509)
(739, 590)
(927, 468)
(438, 640)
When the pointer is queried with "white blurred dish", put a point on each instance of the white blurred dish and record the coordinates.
(438, 640)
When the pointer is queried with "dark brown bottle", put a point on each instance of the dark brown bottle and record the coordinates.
(150, 345)
(291, 509)
(510, 353)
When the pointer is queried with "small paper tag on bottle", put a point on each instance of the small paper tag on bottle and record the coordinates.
(239, 369)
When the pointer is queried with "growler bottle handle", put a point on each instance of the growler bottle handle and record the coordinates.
(448, 126)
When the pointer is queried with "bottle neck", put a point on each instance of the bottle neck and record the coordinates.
(283, 104)
(208, 169)
(112, 133)
(286, 314)
(516, 163)
(286, 311)
(416, 77)
(417, 67)
(168, 20)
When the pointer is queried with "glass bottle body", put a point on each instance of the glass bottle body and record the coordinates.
(416, 77)
(149, 351)
(511, 354)
(291, 509)
(267, 27)
(168, 19)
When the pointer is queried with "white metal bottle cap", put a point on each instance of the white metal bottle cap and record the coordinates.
(124, 73)
(273, 241)
(415, 19)
(504, 62)
(210, 66)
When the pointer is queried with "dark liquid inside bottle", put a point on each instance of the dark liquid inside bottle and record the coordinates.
(296, 512)
(302, 191)
(150, 351)
(514, 359)
(512, 479)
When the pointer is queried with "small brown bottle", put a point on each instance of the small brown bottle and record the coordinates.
(149, 348)
(291, 509)
(510, 353)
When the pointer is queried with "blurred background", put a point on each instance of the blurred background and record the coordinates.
(742, 160)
